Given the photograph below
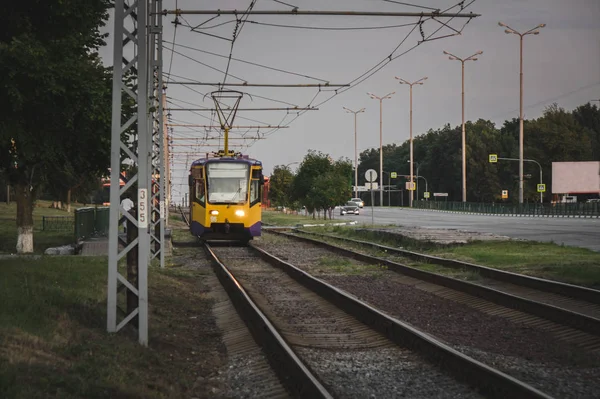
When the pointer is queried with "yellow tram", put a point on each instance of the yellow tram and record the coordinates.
(225, 197)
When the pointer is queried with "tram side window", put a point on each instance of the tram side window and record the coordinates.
(254, 191)
(200, 191)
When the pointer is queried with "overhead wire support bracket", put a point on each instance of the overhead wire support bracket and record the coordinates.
(308, 12)
(245, 109)
(245, 84)
(231, 127)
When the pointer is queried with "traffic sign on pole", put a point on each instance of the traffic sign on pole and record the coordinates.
(541, 188)
(393, 175)
(493, 158)
(371, 175)
(504, 194)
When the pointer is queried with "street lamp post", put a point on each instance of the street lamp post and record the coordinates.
(355, 150)
(464, 140)
(533, 31)
(374, 97)
(291, 163)
(418, 82)
(539, 166)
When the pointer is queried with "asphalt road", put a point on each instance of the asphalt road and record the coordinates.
(577, 232)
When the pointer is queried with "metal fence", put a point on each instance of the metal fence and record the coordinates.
(91, 222)
(57, 223)
(583, 210)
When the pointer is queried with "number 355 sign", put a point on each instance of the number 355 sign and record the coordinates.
(142, 208)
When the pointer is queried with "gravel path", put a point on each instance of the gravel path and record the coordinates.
(527, 353)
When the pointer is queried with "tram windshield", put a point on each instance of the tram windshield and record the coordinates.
(227, 182)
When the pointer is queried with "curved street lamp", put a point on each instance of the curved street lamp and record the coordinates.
(374, 97)
(464, 137)
(355, 150)
(418, 82)
(533, 31)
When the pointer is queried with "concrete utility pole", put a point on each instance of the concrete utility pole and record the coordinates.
(355, 150)
(533, 31)
(374, 97)
(418, 82)
(464, 136)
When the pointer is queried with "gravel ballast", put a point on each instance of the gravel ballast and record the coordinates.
(525, 352)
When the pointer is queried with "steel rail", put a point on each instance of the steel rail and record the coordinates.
(283, 359)
(492, 382)
(570, 290)
(553, 313)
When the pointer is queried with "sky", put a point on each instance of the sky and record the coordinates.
(561, 64)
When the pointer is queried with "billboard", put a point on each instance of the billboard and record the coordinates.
(576, 177)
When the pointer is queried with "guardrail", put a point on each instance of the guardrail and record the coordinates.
(583, 210)
(57, 223)
(91, 222)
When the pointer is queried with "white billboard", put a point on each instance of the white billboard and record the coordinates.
(576, 177)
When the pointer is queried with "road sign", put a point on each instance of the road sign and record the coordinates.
(393, 175)
(493, 158)
(426, 194)
(440, 194)
(372, 185)
(504, 194)
(410, 185)
(371, 175)
(541, 188)
(360, 188)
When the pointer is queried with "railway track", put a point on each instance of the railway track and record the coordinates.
(563, 304)
(318, 341)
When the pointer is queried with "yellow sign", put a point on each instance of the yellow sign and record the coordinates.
(493, 158)
(410, 185)
(504, 194)
(541, 188)
(426, 194)
(393, 175)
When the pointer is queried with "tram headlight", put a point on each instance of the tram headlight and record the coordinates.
(240, 213)
(214, 212)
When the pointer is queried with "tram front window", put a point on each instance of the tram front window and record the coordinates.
(227, 182)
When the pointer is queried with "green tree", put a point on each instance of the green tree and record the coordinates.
(321, 183)
(588, 117)
(54, 107)
(280, 184)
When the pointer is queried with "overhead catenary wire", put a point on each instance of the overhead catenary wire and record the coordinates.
(248, 62)
(363, 76)
(330, 27)
(411, 5)
(236, 32)
(285, 4)
(246, 92)
(202, 63)
(384, 62)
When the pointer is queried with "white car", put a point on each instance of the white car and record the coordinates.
(350, 208)
(358, 201)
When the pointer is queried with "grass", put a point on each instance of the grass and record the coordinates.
(41, 239)
(282, 219)
(571, 265)
(546, 260)
(53, 340)
(358, 232)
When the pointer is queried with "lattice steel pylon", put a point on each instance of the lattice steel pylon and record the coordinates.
(157, 162)
(137, 77)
